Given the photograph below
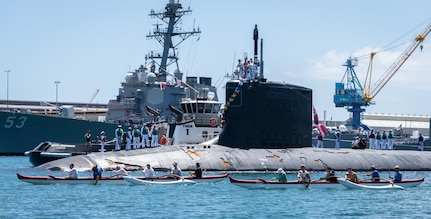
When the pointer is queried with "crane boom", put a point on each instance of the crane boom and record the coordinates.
(94, 96)
(369, 94)
(354, 97)
(91, 100)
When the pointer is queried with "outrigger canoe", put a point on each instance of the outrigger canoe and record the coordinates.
(136, 181)
(267, 184)
(351, 185)
(112, 180)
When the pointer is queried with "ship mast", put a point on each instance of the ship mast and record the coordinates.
(171, 16)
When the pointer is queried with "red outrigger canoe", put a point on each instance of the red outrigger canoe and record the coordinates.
(266, 184)
(111, 180)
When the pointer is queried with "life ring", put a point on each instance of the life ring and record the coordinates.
(213, 122)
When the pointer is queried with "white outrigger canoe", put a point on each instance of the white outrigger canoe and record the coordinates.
(351, 185)
(135, 181)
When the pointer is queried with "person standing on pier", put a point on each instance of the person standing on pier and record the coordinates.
(421, 142)
(118, 137)
(87, 137)
(384, 138)
(136, 139)
(145, 139)
(390, 141)
(155, 137)
(372, 138)
(319, 141)
(378, 140)
(129, 139)
(102, 141)
(337, 139)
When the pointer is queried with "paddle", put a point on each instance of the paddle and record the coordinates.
(324, 164)
(176, 176)
(306, 184)
(324, 178)
(388, 180)
(51, 176)
(262, 180)
(381, 178)
(302, 179)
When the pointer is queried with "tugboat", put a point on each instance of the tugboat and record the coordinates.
(146, 97)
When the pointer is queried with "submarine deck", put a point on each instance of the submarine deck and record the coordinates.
(221, 158)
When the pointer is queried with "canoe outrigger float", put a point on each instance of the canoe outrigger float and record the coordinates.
(135, 181)
(351, 185)
(116, 180)
(266, 184)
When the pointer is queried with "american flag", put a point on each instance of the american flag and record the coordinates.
(320, 127)
(316, 117)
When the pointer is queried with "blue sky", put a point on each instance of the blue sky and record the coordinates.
(90, 45)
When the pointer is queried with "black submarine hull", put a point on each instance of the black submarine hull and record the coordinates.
(266, 115)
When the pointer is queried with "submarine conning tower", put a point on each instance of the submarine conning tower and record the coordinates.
(267, 115)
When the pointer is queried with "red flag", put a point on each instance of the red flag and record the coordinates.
(322, 130)
(316, 117)
(162, 86)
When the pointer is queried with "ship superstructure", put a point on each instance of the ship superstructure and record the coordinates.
(147, 92)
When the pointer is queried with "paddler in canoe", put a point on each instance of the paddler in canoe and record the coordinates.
(198, 171)
(281, 177)
(398, 176)
(330, 175)
(375, 176)
(304, 176)
(175, 171)
(97, 173)
(351, 175)
(73, 173)
(149, 172)
(119, 172)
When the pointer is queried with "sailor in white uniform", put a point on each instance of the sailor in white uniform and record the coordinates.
(136, 135)
(145, 139)
(102, 141)
(155, 138)
(129, 139)
(118, 137)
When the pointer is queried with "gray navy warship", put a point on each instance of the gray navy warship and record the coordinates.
(154, 93)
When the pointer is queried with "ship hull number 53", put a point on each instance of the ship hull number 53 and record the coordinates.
(15, 122)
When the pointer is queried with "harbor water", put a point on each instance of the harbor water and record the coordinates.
(218, 200)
